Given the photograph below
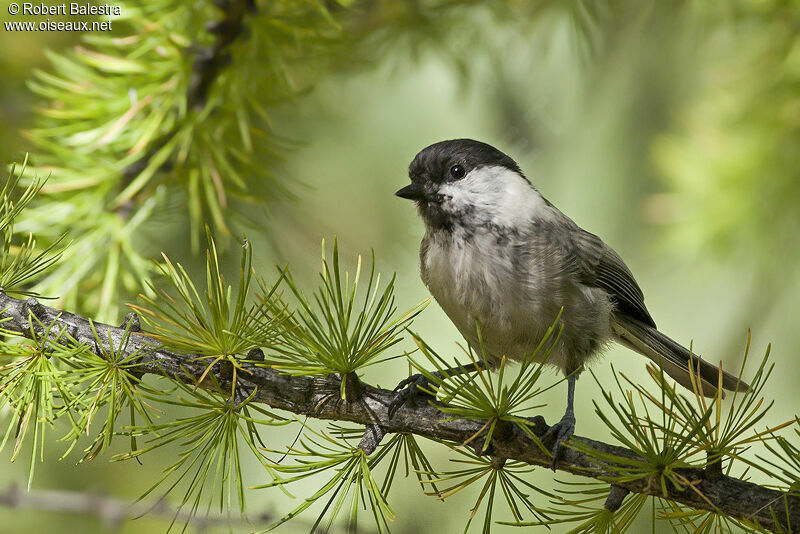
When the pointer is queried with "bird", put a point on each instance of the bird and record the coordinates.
(502, 262)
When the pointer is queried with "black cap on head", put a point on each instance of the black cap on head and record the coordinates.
(453, 159)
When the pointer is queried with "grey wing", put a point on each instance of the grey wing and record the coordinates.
(598, 265)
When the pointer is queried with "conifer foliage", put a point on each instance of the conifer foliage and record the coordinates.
(175, 110)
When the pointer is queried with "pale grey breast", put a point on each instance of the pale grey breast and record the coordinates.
(513, 286)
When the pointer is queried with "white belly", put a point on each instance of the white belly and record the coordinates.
(478, 284)
(513, 296)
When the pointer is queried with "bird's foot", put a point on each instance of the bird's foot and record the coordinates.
(560, 433)
(409, 389)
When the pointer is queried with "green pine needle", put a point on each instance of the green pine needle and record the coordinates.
(213, 324)
(663, 443)
(493, 397)
(107, 379)
(671, 430)
(352, 479)
(730, 424)
(20, 265)
(506, 479)
(692, 521)
(211, 443)
(404, 446)
(583, 507)
(35, 388)
(344, 327)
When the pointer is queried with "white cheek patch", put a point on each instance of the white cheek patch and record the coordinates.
(498, 194)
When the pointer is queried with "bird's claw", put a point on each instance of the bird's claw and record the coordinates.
(408, 389)
(560, 433)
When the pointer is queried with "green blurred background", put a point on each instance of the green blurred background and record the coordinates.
(670, 129)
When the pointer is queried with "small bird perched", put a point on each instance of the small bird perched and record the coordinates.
(497, 254)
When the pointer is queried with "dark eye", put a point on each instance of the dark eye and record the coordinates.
(457, 172)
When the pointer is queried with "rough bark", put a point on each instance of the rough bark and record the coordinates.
(318, 397)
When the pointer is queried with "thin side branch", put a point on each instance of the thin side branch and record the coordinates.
(113, 511)
(110, 510)
(208, 62)
(318, 397)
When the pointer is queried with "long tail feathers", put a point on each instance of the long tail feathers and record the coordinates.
(673, 357)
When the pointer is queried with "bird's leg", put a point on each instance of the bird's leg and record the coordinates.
(413, 386)
(564, 429)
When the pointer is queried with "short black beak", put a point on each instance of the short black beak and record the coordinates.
(412, 192)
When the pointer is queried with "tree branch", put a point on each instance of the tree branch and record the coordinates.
(110, 510)
(208, 62)
(318, 397)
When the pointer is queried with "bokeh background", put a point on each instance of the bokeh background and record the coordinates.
(669, 128)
